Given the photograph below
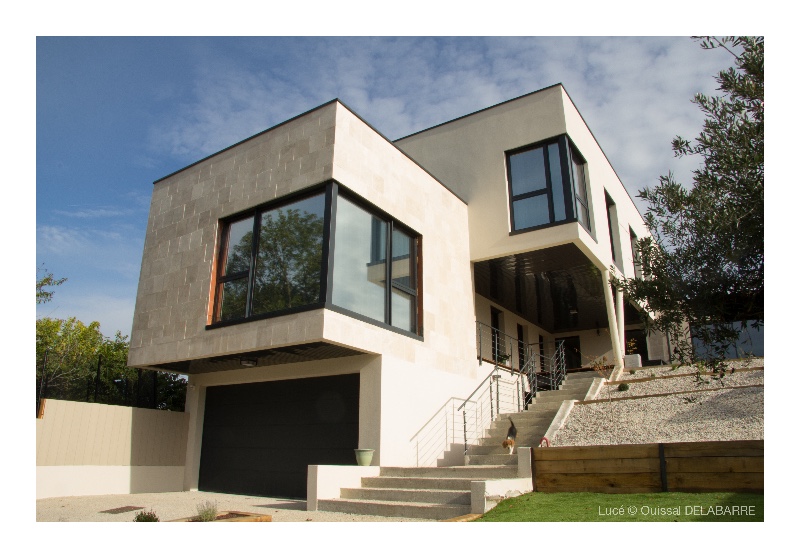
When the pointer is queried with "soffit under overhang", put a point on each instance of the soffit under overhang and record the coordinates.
(305, 352)
(558, 289)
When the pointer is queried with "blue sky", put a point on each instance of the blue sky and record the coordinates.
(115, 114)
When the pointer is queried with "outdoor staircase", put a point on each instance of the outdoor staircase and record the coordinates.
(421, 492)
(531, 424)
(438, 493)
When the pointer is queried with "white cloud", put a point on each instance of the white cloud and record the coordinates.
(89, 213)
(634, 92)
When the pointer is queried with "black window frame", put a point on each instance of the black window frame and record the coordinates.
(255, 213)
(332, 190)
(637, 266)
(568, 186)
(612, 226)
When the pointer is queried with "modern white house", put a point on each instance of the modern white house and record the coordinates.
(326, 289)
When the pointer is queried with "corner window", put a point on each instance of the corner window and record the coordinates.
(365, 280)
(316, 250)
(547, 185)
(281, 269)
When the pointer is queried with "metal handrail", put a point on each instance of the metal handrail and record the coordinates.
(495, 397)
(552, 368)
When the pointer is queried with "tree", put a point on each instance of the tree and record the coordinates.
(74, 361)
(46, 280)
(66, 351)
(703, 266)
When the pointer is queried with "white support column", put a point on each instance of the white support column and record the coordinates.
(195, 407)
(613, 330)
(621, 322)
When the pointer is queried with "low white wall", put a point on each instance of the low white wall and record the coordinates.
(487, 493)
(326, 481)
(89, 448)
(89, 480)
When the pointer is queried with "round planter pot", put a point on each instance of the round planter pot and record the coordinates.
(364, 456)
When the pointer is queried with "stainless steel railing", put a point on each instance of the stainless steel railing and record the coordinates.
(502, 391)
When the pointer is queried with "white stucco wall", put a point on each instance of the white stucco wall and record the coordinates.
(468, 154)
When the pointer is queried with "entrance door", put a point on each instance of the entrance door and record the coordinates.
(572, 351)
(498, 347)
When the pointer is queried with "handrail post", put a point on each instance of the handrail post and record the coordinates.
(491, 402)
(464, 416)
(497, 393)
(480, 343)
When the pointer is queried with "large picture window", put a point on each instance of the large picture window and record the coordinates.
(547, 185)
(278, 271)
(323, 249)
(365, 280)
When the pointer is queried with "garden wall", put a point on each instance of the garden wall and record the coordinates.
(90, 448)
(730, 466)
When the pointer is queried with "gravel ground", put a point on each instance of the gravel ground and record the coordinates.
(727, 414)
(738, 364)
(177, 505)
(683, 383)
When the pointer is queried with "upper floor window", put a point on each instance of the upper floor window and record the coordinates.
(365, 279)
(611, 216)
(637, 266)
(272, 260)
(547, 185)
(322, 249)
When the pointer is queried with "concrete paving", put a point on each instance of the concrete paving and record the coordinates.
(176, 505)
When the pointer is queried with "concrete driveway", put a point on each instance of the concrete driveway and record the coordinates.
(177, 505)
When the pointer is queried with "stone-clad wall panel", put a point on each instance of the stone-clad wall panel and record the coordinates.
(180, 244)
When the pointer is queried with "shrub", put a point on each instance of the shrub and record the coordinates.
(146, 516)
(623, 387)
(207, 511)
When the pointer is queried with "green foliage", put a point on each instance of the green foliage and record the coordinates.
(207, 511)
(588, 506)
(67, 357)
(42, 283)
(703, 266)
(146, 516)
(65, 353)
(623, 387)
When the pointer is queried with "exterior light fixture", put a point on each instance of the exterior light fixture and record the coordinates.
(248, 362)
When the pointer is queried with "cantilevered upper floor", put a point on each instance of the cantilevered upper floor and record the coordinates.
(534, 177)
(315, 239)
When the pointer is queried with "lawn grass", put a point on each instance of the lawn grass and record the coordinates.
(661, 506)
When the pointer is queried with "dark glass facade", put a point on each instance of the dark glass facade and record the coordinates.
(325, 248)
(547, 185)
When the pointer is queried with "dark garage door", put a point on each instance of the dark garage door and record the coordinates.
(260, 438)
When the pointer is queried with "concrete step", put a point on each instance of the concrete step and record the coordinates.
(530, 423)
(591, 375)
(523, 434)
(423, 483)
(571, 390)
(487, 472)
(497, 449)
(445, 497)
(553, 402)
(497, 436)
(493, 459)
(576, 382)
(394, 509)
